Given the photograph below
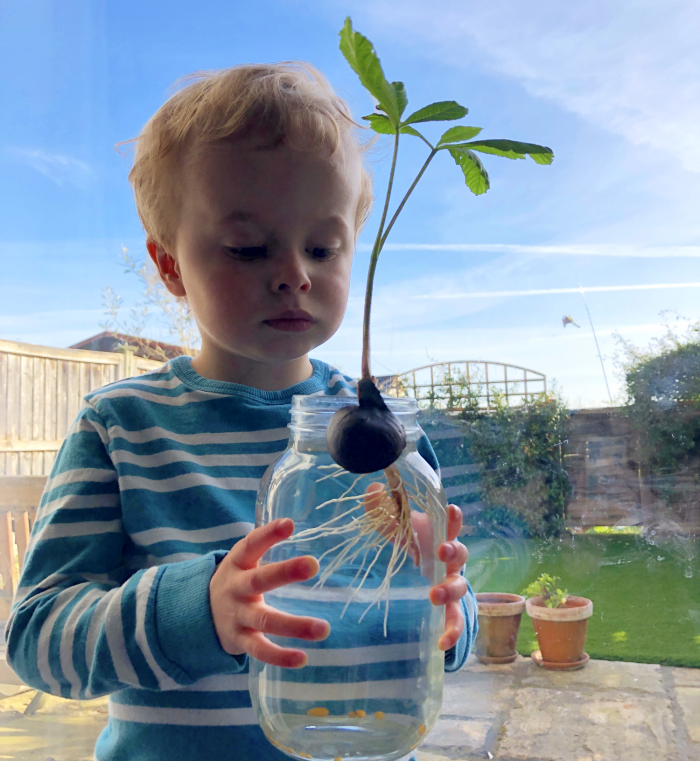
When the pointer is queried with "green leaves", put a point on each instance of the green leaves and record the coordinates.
(458, 134)
(381, 124)
(474, 173)
(401, 97)
(443, 111)
(359, 53)
(512, 149)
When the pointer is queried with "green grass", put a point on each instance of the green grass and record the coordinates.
(646, 597)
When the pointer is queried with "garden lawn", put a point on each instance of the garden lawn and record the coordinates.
(646, 596)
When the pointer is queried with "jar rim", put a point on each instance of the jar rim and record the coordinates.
(309, 403)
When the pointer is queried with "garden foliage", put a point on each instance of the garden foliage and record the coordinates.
(663, 404)
(519, 454)
(546, 587)
(517, 450)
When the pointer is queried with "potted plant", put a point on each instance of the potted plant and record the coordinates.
(561, 623)
(499, 622)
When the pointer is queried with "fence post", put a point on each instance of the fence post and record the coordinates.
(127, 363)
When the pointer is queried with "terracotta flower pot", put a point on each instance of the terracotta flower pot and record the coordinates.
(561, 632)
(499, 621)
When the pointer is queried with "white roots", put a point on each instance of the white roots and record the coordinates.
(374, 520)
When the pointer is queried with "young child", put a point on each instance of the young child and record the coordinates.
(142, 577)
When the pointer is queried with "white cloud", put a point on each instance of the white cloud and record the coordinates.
(58, 167)
(631, 68)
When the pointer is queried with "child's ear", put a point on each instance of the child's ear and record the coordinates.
(168, 268)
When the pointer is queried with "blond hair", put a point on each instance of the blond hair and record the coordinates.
(289, 102)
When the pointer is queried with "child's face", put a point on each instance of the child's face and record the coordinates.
(264, 248)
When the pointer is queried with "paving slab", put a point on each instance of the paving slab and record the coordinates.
(608, 711)
(570, 726)
(597, 676)
(687, 688)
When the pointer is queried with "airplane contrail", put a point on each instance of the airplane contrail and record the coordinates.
(548, 291)
(593, 249)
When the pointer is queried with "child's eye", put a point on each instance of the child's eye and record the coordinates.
(322, 253)
(249, 252)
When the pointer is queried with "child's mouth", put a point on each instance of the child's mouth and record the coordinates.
(291, 325)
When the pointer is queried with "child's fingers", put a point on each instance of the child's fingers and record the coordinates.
(373, 496)
(268, 620)
(246, 553)
(388, 522)
(267, 577)
(451, 590)
(454, 626)
(454, 522)
(257, 645)
(454, 554)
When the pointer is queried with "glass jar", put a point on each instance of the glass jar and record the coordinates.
(373, 688)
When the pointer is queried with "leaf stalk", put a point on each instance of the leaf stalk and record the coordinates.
(376, 250)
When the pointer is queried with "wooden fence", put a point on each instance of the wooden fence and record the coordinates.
(41, 389)
(612, 484)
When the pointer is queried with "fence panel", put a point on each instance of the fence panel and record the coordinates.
(41, 389)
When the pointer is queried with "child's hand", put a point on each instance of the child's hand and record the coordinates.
(449, 593)
(241, 617)
(452, 552)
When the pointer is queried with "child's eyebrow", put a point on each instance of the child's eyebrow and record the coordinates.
(238, 216)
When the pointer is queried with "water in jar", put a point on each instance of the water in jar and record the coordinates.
(373, 688)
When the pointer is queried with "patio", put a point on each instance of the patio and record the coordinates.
(608, 711)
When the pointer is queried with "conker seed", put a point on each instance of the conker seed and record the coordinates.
(368, 437)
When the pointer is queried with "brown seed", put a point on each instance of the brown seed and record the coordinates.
(360, 714)
(318, 711)
(421, 729)
(305, 755)
(352, 714)
(337, 758)
(379, 715)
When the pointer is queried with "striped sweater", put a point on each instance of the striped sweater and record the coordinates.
(155, 482)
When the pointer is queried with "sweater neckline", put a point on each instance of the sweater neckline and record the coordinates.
(182, 367)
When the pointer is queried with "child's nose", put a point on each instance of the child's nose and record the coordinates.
(291, 276)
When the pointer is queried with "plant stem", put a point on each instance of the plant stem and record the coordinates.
(376, 249)
(405, 198)
(379, 245)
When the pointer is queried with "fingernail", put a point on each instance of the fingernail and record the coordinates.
(320, 629)
(449, 552)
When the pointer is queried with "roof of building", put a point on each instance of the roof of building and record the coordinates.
(143, 347)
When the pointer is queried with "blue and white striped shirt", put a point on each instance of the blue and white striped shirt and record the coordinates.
(155, 482)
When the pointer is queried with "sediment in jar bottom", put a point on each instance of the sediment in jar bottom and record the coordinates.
(383, 737)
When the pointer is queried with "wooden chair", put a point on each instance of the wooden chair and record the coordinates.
(19, 498)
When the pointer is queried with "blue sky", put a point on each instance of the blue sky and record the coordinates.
(614, 89)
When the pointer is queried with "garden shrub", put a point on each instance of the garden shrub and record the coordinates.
(522, 483)
(663, 405)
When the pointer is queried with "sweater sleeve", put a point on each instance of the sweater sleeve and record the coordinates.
(456, 656)
(82, 624)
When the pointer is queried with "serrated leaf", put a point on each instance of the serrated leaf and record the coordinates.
(406, 130)
(512, 149)
(474, 173)
(444, 111)
(359, 53)
(401, 97)
(381, 124)
(457, 134)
